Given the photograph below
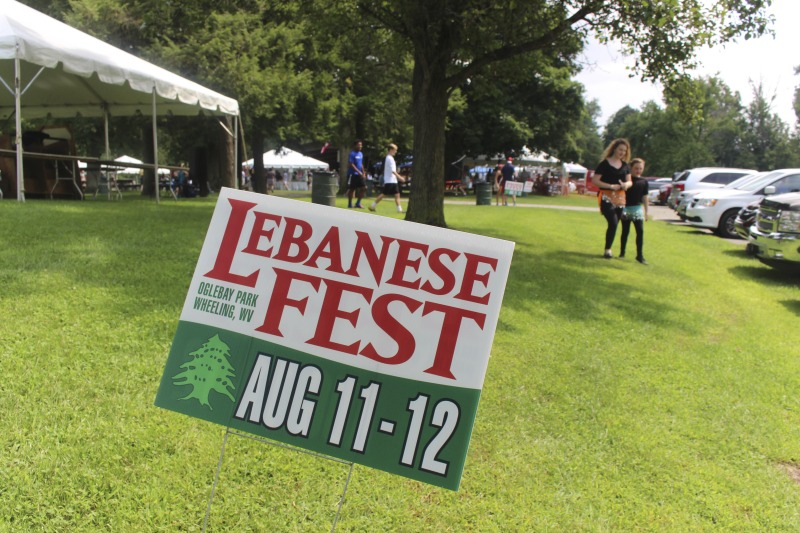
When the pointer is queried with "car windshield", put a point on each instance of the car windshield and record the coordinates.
(739, 183)
(763, 181)
(682, 176)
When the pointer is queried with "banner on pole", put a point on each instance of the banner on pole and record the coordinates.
(360, 337)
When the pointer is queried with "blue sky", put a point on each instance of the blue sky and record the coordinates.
(767, 60)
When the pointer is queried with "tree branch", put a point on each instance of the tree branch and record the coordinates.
(538, 43)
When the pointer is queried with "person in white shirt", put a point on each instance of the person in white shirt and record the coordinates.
(390, 180)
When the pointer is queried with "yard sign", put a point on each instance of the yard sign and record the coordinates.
(357, 336)
(514, 188)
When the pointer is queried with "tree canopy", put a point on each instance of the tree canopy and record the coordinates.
(453, 41)
(468, 76)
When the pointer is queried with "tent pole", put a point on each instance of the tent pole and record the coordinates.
(105, 127)
(18, 123)
(155, 147)
(237, 170)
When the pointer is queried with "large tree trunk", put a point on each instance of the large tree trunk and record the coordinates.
(426, 202)
(257, 146)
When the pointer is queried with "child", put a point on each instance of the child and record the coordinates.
(635, 210)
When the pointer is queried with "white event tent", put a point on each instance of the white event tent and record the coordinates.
(285, 158)
(48, 68)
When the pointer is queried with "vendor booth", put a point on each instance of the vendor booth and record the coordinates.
(293, 168)
(49, 69)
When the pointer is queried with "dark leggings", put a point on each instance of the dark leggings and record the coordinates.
(626, 229)
(613, 215)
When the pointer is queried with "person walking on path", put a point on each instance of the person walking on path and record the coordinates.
(613, 177)
(635, 210)
(356, 180)
(390, 180)
(508, 174)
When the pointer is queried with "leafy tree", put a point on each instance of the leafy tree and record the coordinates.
(766, 136)
(585, 137)
(721, 132)
(796, 101)
(527, 101)
(614, 126)
(453, 41)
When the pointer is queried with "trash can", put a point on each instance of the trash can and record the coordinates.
(483, 193)
(324, 185)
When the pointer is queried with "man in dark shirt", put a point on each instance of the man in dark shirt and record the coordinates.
(509, 174)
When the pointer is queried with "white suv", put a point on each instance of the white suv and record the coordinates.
(685, 198)
(704, 178)
(717, 209)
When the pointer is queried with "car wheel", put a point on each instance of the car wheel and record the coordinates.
(726, 228)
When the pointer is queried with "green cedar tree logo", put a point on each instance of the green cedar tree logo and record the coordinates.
(209, 370)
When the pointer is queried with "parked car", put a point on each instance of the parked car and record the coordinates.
(685, 198)
(663, 193)
(654, 189)
(744, 221)
(717, 209)
(775, 236)
(704, 178)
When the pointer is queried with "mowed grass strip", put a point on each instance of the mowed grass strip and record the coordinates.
(618, 396)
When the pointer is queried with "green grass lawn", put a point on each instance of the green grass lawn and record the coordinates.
(618, 397)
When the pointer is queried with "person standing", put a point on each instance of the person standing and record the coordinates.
(509, 174)
(270, 180)
(613, 177)
(356, 182)
(497, 178)
(635, 210)
(390, 180)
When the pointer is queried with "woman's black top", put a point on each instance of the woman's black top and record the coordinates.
(610, 174)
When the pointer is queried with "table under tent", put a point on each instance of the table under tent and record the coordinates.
(49, 69)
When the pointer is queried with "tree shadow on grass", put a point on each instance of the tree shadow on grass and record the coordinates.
(580, 286)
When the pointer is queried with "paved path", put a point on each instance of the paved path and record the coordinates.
(658, 212)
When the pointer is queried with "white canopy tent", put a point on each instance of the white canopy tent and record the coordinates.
(285, 158)
(526, 157)
(50, 69)
(130, 170)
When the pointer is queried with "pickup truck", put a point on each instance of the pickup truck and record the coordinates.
(775, 236)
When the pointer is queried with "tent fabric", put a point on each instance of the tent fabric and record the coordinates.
(286, 158)
(130, 170)
(84, 75)
(575, 168)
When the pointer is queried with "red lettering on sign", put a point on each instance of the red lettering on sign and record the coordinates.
(227, 248)
(300, 240)
(365, 248)
(404, 261)
(259, 231)
(280, 299)
(444, 273)
(331, 249)
(406, 344)
(330, 312)
(451, 325)
(471, 276)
